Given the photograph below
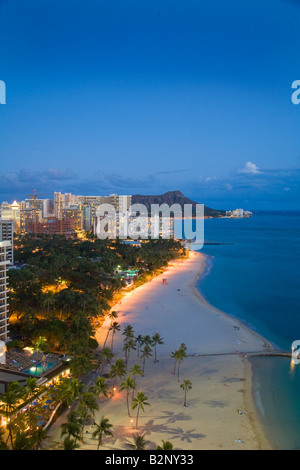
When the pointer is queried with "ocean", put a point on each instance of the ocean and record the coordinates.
(253, 274)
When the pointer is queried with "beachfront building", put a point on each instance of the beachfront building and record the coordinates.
(7, 234)
(4, 247)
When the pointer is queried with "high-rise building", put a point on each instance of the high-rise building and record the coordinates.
(7, 234)
(5, 249)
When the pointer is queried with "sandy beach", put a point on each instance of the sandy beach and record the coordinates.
(220, 412)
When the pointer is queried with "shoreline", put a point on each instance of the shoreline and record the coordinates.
(221, 376)
(248, 399)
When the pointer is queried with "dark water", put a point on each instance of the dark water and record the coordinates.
(255, 276)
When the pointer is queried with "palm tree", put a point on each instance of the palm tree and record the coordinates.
(128, 332)
(128, 346)
(112, 315)
(72, 429)
(70, 390)
(128, 384)
(175, 355)
(30, 390)
(133, 372)
(117, 370)
(87, 403)
(147, 340)
(146, 354)
(38, 437)
(70, 444)
(139, 442)
(40, 347)
(106, 354)
(139, 402)
(186, 385)
(166, 445)
(104, 427)
(99, 387)
(114, 328)
(139, 342)
(156, 339)
(9, 404)
(181, 356)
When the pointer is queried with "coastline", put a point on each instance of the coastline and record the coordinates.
(220, 374)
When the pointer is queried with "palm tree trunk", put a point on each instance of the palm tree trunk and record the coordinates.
(128, 404)
(137, 418)
(106, 338)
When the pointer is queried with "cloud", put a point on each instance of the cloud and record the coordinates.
(250, 169)
(28, 180)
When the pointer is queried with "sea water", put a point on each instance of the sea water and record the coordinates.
(253, 273)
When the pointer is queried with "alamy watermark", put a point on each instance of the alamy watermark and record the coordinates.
(296, 94)
(296, 352)
(163, 221)
(2, 92)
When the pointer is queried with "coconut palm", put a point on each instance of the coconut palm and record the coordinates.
(128, 346)
(128, 384)
(186, 385)
(99, 387)
(139, 402)
(117, 370)
(139, 342)
(70, 444)
(30, 390)
(128, 332)
(139, 442)
(103, 428)
(146, 354)
(175, 356)
(88, 404)
(166, 445)
(181, 356)
(114, 328)
(113, 316)
(147, 340)
(9, 404)
(72, 429)
(156, 339)
(106, 355)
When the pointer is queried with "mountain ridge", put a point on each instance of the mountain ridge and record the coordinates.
(174, 197)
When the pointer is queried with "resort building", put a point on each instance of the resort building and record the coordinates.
(7, 234)
(4, 247)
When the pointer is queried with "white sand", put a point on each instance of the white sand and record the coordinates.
(221, 384)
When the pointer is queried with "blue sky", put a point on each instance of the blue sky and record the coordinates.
(145, 97)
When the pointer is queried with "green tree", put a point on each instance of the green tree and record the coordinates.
(72, 429)
(139, 442)
(103, 428)
(114, 328)
(139, 403)
(117, 370)
(156, 339)
(10, 401)
(128, 384)
(128, 346)
(146, 353)
(186, 386)
(166, 445)
(100, 387)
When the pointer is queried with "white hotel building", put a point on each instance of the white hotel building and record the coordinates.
(6, 258)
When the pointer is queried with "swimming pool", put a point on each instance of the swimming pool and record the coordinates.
(39, 368)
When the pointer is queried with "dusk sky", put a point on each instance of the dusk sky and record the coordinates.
(144, 97)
